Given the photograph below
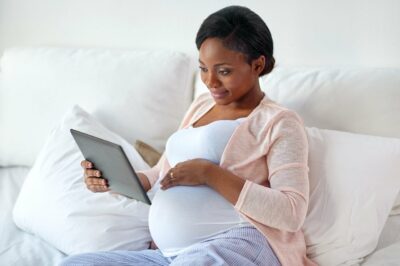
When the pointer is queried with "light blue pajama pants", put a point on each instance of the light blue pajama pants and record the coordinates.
(238, 246)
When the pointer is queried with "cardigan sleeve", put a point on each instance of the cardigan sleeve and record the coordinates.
(284, 204)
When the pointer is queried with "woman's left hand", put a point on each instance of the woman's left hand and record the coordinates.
(188, 173)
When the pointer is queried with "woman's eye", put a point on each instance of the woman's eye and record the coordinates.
(203, 69)
(224, 72)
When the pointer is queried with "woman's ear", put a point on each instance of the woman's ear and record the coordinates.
(259, 64)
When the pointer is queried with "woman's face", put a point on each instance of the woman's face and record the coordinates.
(226, 73)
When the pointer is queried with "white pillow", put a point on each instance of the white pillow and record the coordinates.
(137, 94)
(55, 205)
(354, 180)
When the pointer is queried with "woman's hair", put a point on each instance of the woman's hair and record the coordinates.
(241, 30)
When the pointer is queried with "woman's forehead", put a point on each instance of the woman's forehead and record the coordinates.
(212, 51)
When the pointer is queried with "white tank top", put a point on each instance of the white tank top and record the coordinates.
(185, 215)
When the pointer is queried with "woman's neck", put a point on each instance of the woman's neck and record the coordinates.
(250, 100)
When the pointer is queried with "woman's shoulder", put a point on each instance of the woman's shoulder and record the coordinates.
(270, 104)
(272, 110)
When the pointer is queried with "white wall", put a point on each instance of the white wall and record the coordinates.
(306, 32)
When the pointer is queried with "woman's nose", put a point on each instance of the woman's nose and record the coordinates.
(212, 80)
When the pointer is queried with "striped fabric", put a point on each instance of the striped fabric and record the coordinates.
(237, 246)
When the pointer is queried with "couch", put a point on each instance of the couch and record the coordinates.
(352, 121)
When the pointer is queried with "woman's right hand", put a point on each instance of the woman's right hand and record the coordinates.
(93, 180)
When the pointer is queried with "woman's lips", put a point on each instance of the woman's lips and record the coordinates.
(219, 94)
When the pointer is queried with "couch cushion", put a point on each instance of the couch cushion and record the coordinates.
(137, 94)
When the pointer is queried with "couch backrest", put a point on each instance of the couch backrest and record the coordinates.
(358, 100)
(137, 94)
(144, 94)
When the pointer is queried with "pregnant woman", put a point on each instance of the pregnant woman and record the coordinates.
(234, 178)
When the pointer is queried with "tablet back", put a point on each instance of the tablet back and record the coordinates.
(111, 160)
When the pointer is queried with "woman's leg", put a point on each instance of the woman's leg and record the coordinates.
(119, 257)
(238, 246)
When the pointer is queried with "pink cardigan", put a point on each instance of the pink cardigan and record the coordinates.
(269, 150)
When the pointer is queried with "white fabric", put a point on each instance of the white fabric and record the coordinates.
(137, 94)
(207, 142)
(388, 256)
(390, 233)
(388, 250)
(354, 180)
(184, 215)
(18, 247)
(55, 204)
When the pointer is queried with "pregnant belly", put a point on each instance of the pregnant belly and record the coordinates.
(184, 215)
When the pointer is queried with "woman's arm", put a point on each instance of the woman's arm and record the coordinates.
(145, 181)
(284, 204)
(224, 182)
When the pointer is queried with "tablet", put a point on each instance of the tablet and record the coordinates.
(111, 160)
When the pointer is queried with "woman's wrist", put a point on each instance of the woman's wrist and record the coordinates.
(211, 174)
(224, 182)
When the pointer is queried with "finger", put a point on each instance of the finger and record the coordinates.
(96, 181)
(97, 188)
(167, 179)
(169, 185)
(168, 182)
(164, 180)
(92, 172)
(86, 164)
